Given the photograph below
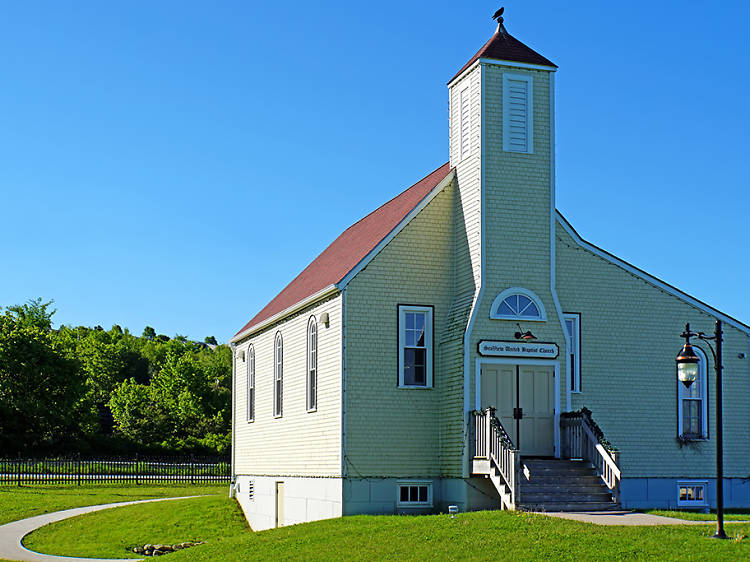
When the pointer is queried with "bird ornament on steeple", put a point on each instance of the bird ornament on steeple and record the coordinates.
(498, 17)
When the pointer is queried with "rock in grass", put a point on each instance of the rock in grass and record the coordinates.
(138, 550)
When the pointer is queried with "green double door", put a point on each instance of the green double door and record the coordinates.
(524, 399)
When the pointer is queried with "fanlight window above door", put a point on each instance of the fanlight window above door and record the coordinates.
(517, 303)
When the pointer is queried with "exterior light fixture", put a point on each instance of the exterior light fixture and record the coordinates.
(687, 372)
(453, 509)
(687, 360)
(524, 336)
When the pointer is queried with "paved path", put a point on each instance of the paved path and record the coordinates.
(11, 534)
(627, 518)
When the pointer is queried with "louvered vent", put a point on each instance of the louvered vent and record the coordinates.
(251, 490)
(517, 133)
(465, 124)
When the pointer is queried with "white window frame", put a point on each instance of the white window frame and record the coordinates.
(278, 376)
(681, 390)
(692, 484)
(311, 373)
(574, 355)
(428, 328)
(518, 291)
(464, 123)
(250, 355)
(414, 483)
(507, 77)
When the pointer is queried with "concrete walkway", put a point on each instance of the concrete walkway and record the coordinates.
(11, 534)
(627, 518)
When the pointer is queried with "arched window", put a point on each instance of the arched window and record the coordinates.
(312, 364)
(518, 303)
(692, 406)
(250, 383)
(278, 375)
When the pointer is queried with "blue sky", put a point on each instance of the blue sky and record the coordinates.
(175, 164)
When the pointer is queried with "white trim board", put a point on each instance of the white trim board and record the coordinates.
(515, 361)
(326, 291)
(674, 291)
(398, 228)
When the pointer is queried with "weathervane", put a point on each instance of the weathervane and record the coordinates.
(498, 17)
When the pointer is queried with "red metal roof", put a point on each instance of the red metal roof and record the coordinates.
(503, 46)
(350, 248)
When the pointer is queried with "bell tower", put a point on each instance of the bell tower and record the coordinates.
(502, 147)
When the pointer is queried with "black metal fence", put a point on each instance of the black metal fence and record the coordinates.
(135, 469)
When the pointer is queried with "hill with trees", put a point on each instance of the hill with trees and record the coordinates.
(91, 390)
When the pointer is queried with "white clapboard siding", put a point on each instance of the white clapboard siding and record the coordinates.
(465, 123)
(299, 442)
(517, 113)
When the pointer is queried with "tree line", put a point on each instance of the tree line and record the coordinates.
(91, 390)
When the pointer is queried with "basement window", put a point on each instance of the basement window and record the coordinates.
(414, 494)
(691, 494)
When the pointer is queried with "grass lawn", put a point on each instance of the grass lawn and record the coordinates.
(729, 515)
(18, 502)
(472, 536)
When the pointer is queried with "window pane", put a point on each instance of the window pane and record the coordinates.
(404, 493)
(531, 311)
(419, 321)
(699, 493)
(423, 494)
(411, 339)
(414, 366)
(513, 302)
(413, 494)
(420, 338)
(505, 309)
(409, 320)
(683, 493)
(691, 417)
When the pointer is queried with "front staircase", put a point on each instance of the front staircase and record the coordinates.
(591, 482)
(562, 485)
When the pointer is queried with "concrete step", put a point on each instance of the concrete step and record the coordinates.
(569, 506)
(562, 489)
(569, 481)
(559, 469)
(530, 497)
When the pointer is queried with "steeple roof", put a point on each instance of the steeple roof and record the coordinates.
(503, 46)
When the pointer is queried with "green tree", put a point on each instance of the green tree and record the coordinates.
(211, 340)
(41, 389)
(149, 333)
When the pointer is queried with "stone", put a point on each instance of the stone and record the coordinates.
(176, 547)
(148, 547)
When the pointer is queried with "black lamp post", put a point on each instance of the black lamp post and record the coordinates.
(687, 372)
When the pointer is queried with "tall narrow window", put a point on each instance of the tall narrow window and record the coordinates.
(465, 123)
(573, 325)
(312, 364)
(692, 404)
(518, 134)
(415, 346)
(250, 383)
(278, 375)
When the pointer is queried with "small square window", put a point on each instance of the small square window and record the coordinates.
(415, 494)
(691, 494)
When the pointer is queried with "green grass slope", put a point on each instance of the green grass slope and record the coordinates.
(470, 536)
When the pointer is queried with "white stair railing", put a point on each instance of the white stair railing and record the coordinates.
(583, 439)
(492, 442)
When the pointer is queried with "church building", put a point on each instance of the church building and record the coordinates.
(462, 346)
